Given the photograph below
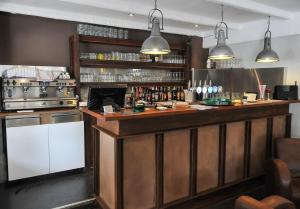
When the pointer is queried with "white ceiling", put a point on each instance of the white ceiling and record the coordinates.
(180, 15)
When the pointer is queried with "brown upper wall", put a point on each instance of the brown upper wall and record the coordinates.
(30, 40)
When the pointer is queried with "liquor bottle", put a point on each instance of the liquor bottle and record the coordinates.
(152, 95)
(156, 94)
(132, 97)
(178, 97)
(163, 94)
(174, 93)
(182, 94)
(148, 95)
(169, 94)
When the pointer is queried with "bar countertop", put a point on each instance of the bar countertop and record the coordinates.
(179, 110)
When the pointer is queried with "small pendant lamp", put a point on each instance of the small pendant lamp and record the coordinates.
(221, 51)
(267, 55)
(155, 44)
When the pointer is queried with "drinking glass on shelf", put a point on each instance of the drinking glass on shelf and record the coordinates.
(115, 33)
(125, 34)
(120, 33)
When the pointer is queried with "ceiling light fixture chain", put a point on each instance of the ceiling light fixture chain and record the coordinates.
(221, 51)
(220, 24)
(268, 32)
(151, 16)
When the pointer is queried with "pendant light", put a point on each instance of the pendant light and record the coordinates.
(267, 55)
(221, 51)
(155, 44)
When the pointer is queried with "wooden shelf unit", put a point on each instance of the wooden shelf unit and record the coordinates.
(76, 62)
(130, 64)
(122, 42)
(136, 83)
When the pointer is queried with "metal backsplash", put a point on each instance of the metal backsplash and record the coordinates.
(241, 79)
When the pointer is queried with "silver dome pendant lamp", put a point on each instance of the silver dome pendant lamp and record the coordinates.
(267, 55)
(221, 51)
(155, 44)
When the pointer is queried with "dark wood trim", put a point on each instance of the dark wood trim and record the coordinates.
(193, 161)
(106, 131)
(269, 146)
(210, 197)
(288, 125)
(74, 61)
(119, 173)
(188, 72)
(247, 152)
(222, 154)
(121, 42)
(102, 203)
(135, 83)
(96, 142)
(159, 178)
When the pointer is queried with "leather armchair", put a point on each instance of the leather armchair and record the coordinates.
(283, 173)
(272, 202)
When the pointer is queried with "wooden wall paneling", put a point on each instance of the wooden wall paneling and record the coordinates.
(279, 126)
(159, 158)
(199, 55)
(139, 171)
(247, 149)
(234, 158)
(288, 125)
(176, 165)
(119, 173)
(258, 146)
(107, 170)
(208, 157)
(278, 130)
(269, 151)
(89, 121)
(222, 154)
(193, 161)
(96, 151)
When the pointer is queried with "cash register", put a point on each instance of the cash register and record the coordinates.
(106, 96)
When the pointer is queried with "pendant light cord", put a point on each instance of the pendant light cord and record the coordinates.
(222, 12)
(268, 32)
(151, 16)
(220, 24)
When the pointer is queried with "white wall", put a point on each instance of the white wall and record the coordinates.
(288, 49)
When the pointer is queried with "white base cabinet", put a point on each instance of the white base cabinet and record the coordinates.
(43, 149)
(27, 151)
(66, 146)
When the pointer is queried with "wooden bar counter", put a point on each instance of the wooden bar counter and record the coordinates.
(181, 157)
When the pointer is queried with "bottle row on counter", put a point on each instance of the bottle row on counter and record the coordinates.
(154, 94)
(135, 57)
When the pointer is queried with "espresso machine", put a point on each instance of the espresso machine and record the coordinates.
(26, 94)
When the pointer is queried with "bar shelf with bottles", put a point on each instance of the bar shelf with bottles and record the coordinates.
(153, 94)
(113, 52)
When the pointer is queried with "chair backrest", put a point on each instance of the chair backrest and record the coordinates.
(288, 150)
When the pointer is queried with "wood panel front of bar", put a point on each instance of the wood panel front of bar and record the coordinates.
(185, 157)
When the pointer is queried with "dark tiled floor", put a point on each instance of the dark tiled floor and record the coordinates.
(47, 193)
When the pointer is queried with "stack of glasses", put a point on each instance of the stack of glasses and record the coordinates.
(101, 31)
(137, 57)
(133, 76)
